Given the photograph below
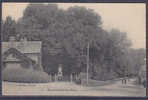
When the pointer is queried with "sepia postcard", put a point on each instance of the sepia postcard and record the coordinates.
(73, 49)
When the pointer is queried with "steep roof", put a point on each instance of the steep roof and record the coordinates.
(23, 47)
(18, 55)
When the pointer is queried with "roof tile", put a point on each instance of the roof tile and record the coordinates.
(24, 47)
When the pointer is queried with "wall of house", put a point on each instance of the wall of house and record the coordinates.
(11, 58)
(13, 64)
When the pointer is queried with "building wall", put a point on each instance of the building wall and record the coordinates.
(13, 65)
(11, 58)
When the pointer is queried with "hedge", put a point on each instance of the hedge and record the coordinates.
(19, 74)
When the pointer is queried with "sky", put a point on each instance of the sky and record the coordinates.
(127, 17)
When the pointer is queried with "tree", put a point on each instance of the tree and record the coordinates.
(59, 25)
(8, 28)
(119, 45)
(136, 59)
(83, 28)
(72, 30)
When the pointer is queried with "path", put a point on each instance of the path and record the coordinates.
(71, 89)
(120, 89)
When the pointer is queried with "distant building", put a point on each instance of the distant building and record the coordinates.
(16, 53)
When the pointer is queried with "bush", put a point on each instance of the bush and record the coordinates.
(18, 74)
(104, 76)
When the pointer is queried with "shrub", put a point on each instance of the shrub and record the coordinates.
(37, 67)
(18, 74)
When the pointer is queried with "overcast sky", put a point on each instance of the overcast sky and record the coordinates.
(130, 18)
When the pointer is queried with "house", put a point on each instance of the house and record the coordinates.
(22, 53)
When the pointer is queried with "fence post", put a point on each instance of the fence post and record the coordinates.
(50, 78)
(71, 78)
(55, 78)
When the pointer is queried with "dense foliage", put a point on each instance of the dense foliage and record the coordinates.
(9, 28)
(19, 74)
(72, 30)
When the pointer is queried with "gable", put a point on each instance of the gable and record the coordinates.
(18, 55)
(11, 57)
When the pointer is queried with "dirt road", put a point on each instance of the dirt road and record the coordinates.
(71, 89)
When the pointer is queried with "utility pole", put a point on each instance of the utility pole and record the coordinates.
(87, 62)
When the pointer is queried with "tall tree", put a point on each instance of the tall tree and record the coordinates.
(68, 27)
(8, 28)
(72, 30)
